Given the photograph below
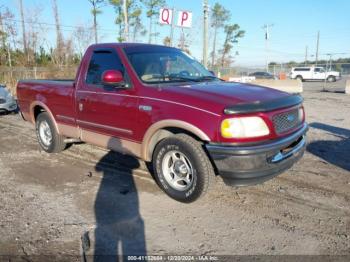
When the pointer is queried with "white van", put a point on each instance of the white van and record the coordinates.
(314, 73)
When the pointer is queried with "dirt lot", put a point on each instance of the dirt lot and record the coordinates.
(47, 202)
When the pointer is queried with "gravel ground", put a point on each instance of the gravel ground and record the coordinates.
(49, 203)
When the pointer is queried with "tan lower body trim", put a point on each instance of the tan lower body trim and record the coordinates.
(68, 131)
(115, 144)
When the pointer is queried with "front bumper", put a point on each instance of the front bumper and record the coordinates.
(249, 165)
(8, 106)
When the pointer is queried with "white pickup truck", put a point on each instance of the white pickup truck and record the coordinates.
(314, 73)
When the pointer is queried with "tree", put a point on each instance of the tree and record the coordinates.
(82, 39)
(183, 44)
(118, 8)
(34, 34)
(167, 41)
(219, 17)
(42, 57)
(8, 34)
(58, 54)
(24, 40)
(136, 24)
(96, 10)
(133, 13)
(153, 7)
(232, 35)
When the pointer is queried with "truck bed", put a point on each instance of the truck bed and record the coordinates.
(58, 93)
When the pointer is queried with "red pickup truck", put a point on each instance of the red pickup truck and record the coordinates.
(160, 105)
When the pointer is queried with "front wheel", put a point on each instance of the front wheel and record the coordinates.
(331, 79)
(49, 140)
(182, 168)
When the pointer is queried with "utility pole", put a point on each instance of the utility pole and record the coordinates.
(267, 38)
(126, 28)
(205, 32)
(306, 54)
(317, 46)
(172, 27)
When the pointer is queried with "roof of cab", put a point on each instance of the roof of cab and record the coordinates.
(123, 45)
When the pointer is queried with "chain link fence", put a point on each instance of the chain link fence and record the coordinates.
(9, 76)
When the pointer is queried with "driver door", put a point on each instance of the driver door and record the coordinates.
(319, 74)
(105, 111)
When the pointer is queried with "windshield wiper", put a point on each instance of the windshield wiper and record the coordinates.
(182, 78)
(206, 78)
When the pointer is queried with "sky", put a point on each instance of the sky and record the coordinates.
(295, 26)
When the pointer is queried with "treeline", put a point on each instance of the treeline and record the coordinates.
(24, 39)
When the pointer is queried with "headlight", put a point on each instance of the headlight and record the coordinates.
(244, 127)
(301, 115)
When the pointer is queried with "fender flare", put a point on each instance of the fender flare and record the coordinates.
(41, 104)
(160, 126)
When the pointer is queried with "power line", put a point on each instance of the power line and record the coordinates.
(54, 25)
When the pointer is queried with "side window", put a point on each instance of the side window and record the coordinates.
(100, 62)
(319, 70)
(302, 69)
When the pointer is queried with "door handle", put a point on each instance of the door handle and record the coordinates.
(81, 103)
(145, 108)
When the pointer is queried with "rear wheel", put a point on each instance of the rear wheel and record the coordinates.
(182, 168)
(49, 140)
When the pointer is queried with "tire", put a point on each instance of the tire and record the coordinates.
(331, 79)
(300, 78)
(49, 140)
(182, 168)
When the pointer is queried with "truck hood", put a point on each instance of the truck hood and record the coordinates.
(216, 96)
(333, 73)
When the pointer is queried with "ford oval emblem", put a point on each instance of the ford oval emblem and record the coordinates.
(290, 118)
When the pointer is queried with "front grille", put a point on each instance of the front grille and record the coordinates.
(2, 101)
(286, 121)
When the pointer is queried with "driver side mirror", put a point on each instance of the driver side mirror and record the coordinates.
(113, 77)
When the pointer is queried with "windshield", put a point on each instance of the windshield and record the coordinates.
(164, 65)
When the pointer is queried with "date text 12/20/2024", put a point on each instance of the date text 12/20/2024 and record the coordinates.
(173, 258)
